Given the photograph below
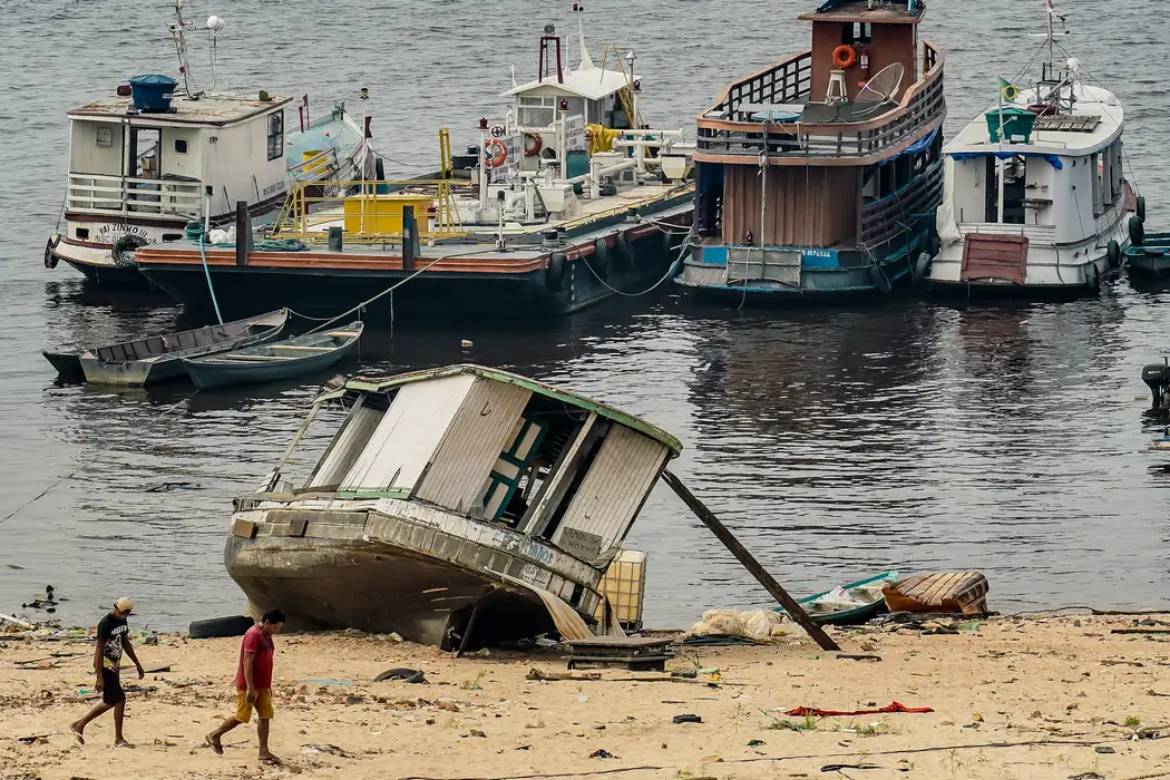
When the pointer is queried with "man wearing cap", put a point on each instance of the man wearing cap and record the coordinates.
(113, 639)
(254, 684)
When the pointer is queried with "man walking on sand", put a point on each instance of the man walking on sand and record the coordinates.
(113, 639)
(254, 684)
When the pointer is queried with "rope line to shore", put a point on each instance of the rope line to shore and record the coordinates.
(35, 498)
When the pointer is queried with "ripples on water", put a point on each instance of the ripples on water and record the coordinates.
(836, 442)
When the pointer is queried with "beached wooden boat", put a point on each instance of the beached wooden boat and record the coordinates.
(157, 359)
(938, 591)
(849, 604)
(274, 360)
(453, 505)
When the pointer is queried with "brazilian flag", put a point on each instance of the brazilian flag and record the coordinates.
(1008, 92)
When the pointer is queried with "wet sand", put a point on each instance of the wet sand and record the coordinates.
(1034, 697)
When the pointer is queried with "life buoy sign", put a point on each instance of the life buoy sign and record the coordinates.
(844, 57)
(495, 153)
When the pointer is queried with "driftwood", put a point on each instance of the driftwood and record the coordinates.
(1140, 631)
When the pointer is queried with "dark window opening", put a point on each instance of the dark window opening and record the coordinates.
(180, 146)
(858, 32)
(172, 237)
(276, 135)
(83, 233)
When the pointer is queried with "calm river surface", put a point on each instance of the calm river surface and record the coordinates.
(837, 443)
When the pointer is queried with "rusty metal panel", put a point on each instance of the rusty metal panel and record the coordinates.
(408, 434)
(995, 257)
(615, 488)
(483, 428)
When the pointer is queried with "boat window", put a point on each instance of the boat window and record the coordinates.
(536, 111)
(275, 135)
(1014, 187)
(104, 137)
(348, 443)
(858, 32)
(181, 145)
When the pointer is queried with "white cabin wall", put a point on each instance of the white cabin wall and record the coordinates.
(87, 157)
(617, 484)
(1073, 201)
(969, 189)
(175, 164)
(236, 155)
(477, 435)
(350, 441)
(408, 435)
(1040, 181)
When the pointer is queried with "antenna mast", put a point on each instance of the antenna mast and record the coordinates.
(178, 32)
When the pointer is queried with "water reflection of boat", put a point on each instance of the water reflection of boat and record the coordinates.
(452, 505)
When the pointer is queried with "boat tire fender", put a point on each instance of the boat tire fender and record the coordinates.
(236, 625)
(554, 274)
(1137, 231)
(879, 278)
(921, 266)
(1093, 277)
(1113, 253)
(844, 57)
(51, 258)
(125, 244)
(1140, 207)
(933, 243)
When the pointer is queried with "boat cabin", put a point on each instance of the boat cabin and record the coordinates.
(500, 448)
(128, 162)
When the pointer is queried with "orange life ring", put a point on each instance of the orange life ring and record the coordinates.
(533, 143)
(498, 157)
(844, 57)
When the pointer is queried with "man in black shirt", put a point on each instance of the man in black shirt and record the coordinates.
(113, 639)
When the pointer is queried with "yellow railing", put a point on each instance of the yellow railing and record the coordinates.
(315, 206)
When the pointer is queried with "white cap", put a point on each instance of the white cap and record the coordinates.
(124, 604)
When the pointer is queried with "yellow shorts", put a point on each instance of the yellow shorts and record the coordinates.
(263, 705)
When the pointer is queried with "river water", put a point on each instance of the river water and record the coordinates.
(836, 442)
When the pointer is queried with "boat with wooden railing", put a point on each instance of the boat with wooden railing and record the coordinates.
(569, 200)
(818, 176)
(157, 155)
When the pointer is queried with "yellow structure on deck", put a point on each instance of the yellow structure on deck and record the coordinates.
(382, 214)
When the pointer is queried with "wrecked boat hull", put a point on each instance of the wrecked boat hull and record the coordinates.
(326, 584)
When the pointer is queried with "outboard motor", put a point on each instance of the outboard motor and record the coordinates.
(1157, 376)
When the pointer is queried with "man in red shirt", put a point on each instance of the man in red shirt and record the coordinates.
(254, 684)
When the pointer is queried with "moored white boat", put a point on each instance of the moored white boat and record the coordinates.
(1036, 198)
(161, 153)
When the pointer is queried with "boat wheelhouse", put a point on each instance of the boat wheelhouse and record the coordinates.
(448, 503)
(818, 176)
(1036, 197)
(157, 155)
(567, 199)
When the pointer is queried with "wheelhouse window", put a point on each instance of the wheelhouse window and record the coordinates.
(276, 135)
(858, 32)
(536, 111)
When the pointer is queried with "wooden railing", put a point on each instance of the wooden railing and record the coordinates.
(123, 195)
(888, 218)
(726, 131)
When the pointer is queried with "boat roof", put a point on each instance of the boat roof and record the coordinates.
(1090, 102)
(589, 82)
(383, 384)
(216, 110)
(866, 11)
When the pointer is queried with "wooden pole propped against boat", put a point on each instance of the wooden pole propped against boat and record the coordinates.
(708, 518)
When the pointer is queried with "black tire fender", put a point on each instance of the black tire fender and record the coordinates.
(1137, 231)
(1140, 207)
(51, 259)
(554, 274)
(127, 242)
(236, 625)
(1093, 277)
(1113, 253)
(878, 276)
(600, 261)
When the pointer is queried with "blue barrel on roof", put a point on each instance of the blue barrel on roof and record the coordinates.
(153, 92)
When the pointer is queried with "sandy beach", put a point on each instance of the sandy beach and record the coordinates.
(1030, 697)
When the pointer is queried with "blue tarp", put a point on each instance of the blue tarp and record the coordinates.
(919, 146)
(1053, 160)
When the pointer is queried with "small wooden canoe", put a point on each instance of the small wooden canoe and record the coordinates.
(284, 359)
(157, 359)
(939, 591)
(850, 604)
(1151, 256)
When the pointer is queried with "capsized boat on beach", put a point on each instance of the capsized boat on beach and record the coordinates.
(453, 505)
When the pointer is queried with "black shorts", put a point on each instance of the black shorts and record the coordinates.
(112, 692)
